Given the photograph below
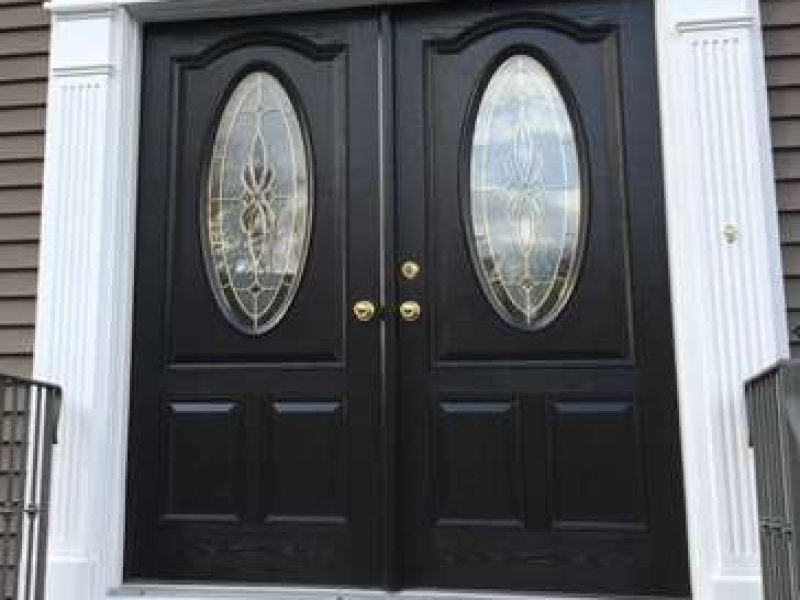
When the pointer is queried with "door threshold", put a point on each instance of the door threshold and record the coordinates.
(242, 592)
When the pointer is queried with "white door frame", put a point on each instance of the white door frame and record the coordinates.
(728, 306)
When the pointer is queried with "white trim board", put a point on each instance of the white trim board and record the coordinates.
(728, 307)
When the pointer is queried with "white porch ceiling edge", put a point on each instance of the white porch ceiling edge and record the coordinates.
(728, 305)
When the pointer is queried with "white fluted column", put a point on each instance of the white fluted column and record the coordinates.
(85, 285)
(725, 270)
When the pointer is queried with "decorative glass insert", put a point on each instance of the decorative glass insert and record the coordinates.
(525, 200)
(258, 211)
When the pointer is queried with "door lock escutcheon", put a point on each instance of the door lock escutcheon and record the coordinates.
(410, 269)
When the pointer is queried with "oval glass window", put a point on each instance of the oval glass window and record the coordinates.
(525, 194)
(258, 210)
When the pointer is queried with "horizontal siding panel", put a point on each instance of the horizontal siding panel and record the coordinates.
(26, 229)
(8, 462)
(18, 366)
(27, 41)
(782, 42)
(27, 93)
(16, 340)
(23, 68)
(19, 120)
(785, 102)
(787, 165)
(788, 195)
(794, 324)
(20, 201)
(24, 40)
(23, 146)
(19, 16)
(792, 289)
(789, 227)
(23, 255)
(782, 72)
(791, 260)
(17, 284)
(18, 174)
(781, 21)
(786, 133)
(17, 312)
(781, 13)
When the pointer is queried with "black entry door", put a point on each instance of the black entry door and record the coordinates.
(537, 389)
(401, 312)
(255, 399)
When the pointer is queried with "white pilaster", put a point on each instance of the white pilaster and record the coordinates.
(725, 269)
(85, 285)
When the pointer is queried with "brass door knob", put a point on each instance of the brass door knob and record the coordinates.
(364, 310)
(410, 311)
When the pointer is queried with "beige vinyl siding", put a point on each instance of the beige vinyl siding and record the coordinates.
(24, 38)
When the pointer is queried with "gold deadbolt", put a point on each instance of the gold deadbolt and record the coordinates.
(410, 269)
(364, 310)
(410, 311)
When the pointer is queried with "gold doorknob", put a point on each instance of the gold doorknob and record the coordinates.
(410, 311)
(364, 310)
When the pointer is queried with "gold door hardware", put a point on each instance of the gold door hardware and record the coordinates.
(410, 311)
(410, 269)
(364, 310)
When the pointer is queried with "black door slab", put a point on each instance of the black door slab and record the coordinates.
(251, 455)
(543, 459)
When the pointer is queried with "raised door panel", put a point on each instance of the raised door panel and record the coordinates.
(592, 320)
(205, 325)
(306, 454)
(203, 470)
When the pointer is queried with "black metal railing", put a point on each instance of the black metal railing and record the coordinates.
(28, 424)
(773, 405)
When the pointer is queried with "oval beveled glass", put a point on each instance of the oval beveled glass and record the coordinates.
(525, 194)
(258, 205)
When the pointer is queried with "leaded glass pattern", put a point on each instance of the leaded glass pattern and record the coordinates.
(525, 194)
(258, 210)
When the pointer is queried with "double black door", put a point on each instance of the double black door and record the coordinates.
(402, 314)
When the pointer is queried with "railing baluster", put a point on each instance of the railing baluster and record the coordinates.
(49, 412)
(22, 422)
(36, 410)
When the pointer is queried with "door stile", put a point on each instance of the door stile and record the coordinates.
(412, 244)
(388, 294)
(364, 345)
